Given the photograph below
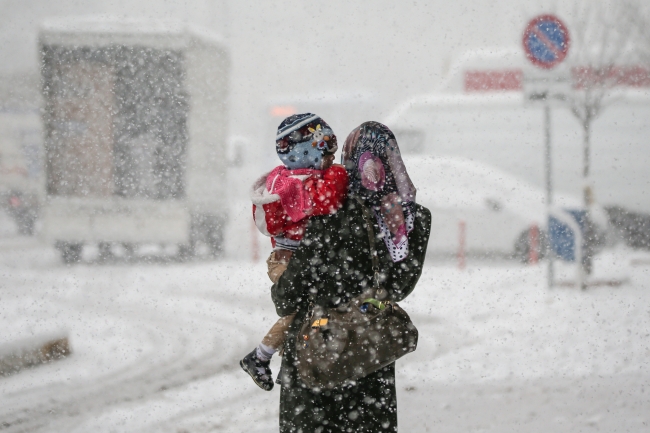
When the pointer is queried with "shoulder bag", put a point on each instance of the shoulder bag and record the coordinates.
(336, 346)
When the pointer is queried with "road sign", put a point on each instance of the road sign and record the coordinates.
(546, 41)
(546, 87)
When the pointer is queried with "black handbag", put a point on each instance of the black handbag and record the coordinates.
(336, 346)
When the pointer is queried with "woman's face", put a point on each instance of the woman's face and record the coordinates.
(371, 170)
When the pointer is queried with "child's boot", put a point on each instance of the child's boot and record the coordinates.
(258, 370)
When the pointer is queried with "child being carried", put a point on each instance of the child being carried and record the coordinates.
(307, 184)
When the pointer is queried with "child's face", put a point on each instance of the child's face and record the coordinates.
(302, 155)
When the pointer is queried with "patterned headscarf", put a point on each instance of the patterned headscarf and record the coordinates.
(377, 174)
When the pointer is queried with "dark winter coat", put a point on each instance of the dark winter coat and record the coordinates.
(332, 265)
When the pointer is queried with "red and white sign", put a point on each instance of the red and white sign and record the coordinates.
(493, 80)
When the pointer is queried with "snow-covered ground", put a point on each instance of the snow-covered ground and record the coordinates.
(155, 348)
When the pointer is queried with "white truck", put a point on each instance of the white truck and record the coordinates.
(135, 123)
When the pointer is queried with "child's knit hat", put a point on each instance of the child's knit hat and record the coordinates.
(301, 128)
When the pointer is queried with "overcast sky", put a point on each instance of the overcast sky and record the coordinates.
(390, 49)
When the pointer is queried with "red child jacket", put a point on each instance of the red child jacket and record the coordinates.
(327, 190)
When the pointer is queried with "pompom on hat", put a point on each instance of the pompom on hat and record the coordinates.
(301, 128)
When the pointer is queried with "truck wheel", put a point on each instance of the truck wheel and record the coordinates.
(105, 252)
(70, 252)
(215, 241)
(186, 251)
(26, 225)
(129, 251)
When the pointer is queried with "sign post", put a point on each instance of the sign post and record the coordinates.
(546, 44)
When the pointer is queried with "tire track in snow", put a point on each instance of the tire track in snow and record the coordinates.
(75, 402)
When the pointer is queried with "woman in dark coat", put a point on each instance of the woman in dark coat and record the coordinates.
(333, 264)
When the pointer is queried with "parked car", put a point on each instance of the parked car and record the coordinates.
(631, 227)
(496, 209)
(21, 168)
(24, 210)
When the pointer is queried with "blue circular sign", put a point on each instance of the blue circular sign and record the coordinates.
(546, 41)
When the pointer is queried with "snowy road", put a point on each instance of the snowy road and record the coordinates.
(155, 348)
(137, 333)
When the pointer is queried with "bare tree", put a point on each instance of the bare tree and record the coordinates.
(603, 53)
(603, 48)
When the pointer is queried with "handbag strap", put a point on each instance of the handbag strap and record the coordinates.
(371, 239)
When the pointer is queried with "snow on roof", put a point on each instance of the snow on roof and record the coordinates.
(483, 59)
(110, 24)
(457, 183)
(108, 30)
(451, 93)
(460, 100)
(446, 101)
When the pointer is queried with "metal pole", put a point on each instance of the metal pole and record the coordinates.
(533, 242)
(587, 243)
(462, 235)
(549, 191)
